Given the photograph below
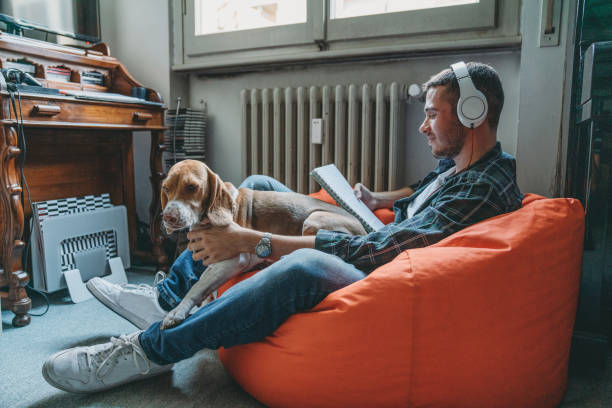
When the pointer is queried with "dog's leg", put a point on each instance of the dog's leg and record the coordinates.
(213, 277)
(332, 221)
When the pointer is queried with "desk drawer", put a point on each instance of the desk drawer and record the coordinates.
(74, 112)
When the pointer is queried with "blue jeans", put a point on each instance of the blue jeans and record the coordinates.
(251, 309)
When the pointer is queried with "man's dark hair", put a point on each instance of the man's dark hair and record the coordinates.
(485, 79)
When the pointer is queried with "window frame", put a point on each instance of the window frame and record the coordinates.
(321, 39)
(460, 17)
(256, 38)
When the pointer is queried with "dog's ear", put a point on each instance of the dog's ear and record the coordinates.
(164, 198)
(221, 206)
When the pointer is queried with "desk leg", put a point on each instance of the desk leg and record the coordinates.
(12, 228)
(157, 176)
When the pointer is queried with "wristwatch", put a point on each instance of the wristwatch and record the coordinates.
(263, 249)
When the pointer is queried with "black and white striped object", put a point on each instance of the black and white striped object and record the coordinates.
(62, 206)
(74, 245)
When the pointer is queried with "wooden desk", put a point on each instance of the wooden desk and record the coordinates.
(73, 147)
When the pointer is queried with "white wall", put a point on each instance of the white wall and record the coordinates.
(544, 74)
(138, 35)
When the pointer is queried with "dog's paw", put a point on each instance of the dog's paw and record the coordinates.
(177, 315)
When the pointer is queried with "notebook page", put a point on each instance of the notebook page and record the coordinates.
(338, 187)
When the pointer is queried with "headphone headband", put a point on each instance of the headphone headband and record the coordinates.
(472, 105)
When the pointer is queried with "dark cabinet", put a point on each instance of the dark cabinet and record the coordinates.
(589, 176)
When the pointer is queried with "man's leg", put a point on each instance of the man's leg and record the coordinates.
(184, 273)
(143, 304)
(247, 312)
(253, 308)
(264, 183)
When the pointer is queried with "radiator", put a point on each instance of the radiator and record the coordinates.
(361, 129)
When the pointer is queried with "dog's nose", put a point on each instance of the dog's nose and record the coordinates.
(169, 218)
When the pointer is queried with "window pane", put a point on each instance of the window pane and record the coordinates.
(354, 8)
(218, 16)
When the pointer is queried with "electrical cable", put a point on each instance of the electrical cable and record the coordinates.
(27, 187)
(30, 288)
(472, 152)
(23, 155)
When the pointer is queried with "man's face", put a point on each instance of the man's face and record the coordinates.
(445, 134)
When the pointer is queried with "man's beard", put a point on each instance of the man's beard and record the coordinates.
(454, 145)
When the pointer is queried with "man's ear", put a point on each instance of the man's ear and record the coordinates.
(220, 209)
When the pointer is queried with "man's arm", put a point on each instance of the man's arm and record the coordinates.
(455, 208)
(216, 244)
(381, 199)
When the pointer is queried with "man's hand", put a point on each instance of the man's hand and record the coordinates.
(215, 244)
(380, 199)
(365, 195)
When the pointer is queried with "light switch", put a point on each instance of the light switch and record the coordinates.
(550, 23)
(316, 131)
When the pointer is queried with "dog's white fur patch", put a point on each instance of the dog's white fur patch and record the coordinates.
(184, 214)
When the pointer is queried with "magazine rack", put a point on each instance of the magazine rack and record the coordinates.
(106, 259)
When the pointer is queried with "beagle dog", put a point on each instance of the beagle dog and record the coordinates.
(193, 195)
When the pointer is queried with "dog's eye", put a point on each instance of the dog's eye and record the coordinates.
(191, 188)
(165, 189)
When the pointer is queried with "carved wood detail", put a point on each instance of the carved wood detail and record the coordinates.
(12, 229)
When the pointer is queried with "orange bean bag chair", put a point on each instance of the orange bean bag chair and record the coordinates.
(483, 318)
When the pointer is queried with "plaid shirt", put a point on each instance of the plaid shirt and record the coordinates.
(486, 189)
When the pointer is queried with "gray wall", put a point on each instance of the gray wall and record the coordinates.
(543, 117)
(138, 35)
(222, 96)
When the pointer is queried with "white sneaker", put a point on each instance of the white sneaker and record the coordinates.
(136, 303)
(100, 367)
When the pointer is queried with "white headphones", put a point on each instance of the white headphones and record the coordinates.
(472, 106)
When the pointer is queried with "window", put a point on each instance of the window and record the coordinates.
(234, 15)
(225, 33)
(356, 8)
(352, 19)
(219, 26)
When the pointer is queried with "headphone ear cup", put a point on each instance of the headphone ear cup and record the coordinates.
(472, 107)
(472, 110)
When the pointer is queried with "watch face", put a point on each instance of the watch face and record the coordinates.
(263, 248)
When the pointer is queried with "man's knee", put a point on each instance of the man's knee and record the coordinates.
(316, 269)
(307, 262)
(256, 182)
(293, 266)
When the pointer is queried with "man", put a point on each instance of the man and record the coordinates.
(475, 180)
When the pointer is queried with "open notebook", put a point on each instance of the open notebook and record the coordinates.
(330, 178)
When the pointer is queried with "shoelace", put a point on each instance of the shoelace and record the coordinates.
(148, 289)
(141, 287)
(159, 276)
(120, 346)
